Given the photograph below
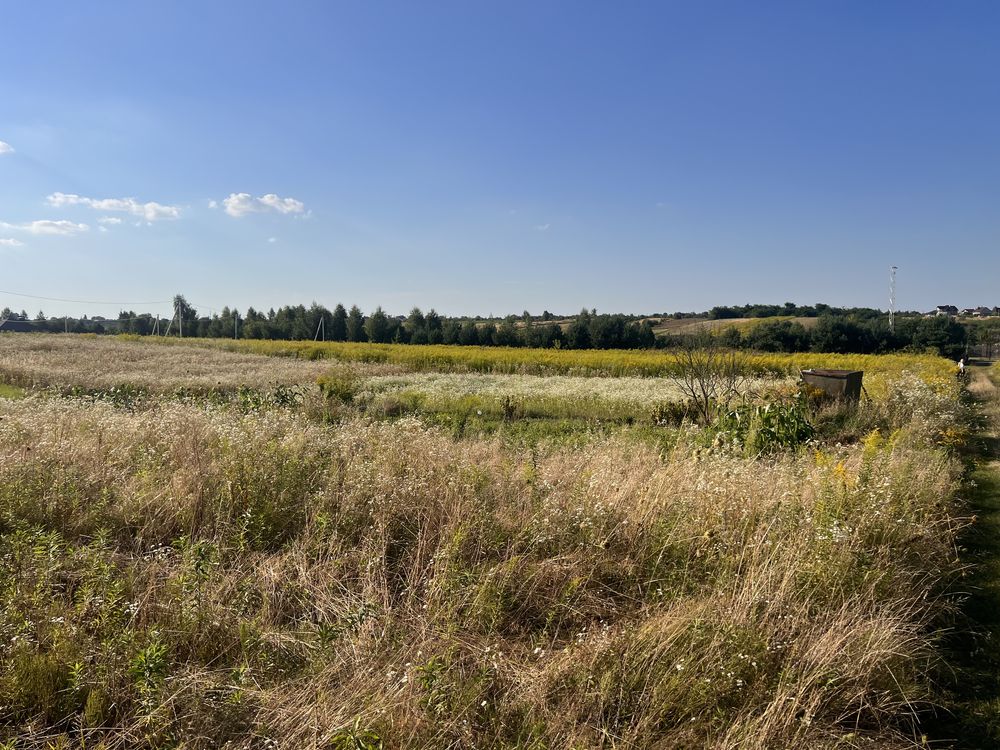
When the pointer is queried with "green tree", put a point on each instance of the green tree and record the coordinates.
(338, 324)
(647, 337)
(469, 334)
(434, 327)
(507, 334)
(943, 333)
(356, 325)
(377, 327)
(578, 335)
(416, 327)
(834, 333)
(186, 317)
(450, 331)
(488, 334)
(779, 336)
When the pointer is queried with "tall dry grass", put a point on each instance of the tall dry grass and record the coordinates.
(194, 577)
(101, 362)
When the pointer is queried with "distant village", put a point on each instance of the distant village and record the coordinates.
(969, 312)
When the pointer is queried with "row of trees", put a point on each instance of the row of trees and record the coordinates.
(587, 330)
(858, 331)
(725, 312)
(852, 335)
(835, 330)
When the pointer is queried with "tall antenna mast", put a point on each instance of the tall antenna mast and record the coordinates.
(892, 298)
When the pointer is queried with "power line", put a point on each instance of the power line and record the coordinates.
(85, 301)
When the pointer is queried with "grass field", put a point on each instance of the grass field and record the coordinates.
(586, 363)
(95, 363)
(318, 572)
(688, 326)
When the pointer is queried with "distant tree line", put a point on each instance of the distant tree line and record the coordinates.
(586, 330)
(850, 334)
(791, 309)
(22, 322)
(844, 330)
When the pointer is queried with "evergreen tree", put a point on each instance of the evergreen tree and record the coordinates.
(488, 334)
(449, 332)
(356, 325)
(578, 335)
(434, 326)
(468, 335)
(415, 321)
(647, 338)
(338, 324)
(507, 333)
(377, 327)
(416, 327)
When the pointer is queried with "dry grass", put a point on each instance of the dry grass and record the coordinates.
(688, 326)
(194, 577)
(93, 363)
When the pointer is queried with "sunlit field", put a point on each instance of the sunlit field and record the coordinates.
(336, 569)
(93, 362)
(587, 362)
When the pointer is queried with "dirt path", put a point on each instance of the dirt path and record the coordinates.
(975, 646)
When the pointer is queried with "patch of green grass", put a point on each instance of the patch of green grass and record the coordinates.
(972, 719)
(11, 391)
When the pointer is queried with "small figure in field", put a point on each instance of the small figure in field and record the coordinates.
(961, 367)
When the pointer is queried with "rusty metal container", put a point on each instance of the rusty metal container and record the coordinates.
(841, 384)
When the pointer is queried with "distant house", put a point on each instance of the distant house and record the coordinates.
(949, 310)
(983, 312)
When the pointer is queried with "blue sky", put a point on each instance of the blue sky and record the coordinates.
(494, 157)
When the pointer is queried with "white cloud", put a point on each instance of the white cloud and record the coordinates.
(6, 148)
(103, 229)
(213, 204)
(109, 220)
(241, 204)
(46, 226)
(151, 211)
(272, 240)
(10, 242)
(543, 227)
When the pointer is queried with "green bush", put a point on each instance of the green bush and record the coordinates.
(767, 427)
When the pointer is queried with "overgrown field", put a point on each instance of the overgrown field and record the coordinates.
(91, 362)
(587, 362)
(316, 572)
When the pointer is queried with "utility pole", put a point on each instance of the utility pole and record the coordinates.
(892, 299)
(180, 320)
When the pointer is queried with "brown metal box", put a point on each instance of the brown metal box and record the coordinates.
(841, 384)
